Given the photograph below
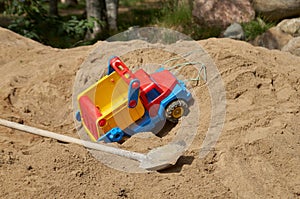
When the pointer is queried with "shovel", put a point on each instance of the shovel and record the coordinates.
(156, 159)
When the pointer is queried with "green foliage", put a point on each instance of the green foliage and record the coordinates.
(33, 21)
(32, 8)
(256, 27)
(30, 13)
(77, 28)
(25, 28)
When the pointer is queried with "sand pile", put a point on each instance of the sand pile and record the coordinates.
(257, 154)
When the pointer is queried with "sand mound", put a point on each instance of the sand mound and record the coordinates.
(257, 154)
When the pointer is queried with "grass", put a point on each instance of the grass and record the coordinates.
(130, 3)
(255, 28)
(179, 15)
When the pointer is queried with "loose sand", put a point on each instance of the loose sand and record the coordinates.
(257, 154)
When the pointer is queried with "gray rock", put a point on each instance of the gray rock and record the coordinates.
(293, 46)
(235, 31)
(277, 9)
(216, 13)
(290, 26)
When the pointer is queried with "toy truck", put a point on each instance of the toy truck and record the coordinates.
(123, 103)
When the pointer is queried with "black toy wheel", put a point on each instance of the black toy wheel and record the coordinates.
(176, 110)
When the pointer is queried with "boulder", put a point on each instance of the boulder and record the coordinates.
(277, 9)
(234, 31)
(290, 26)
(273, 38)
(215, 13)
(293, 46)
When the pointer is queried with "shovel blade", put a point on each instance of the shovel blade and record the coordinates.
(163, 157)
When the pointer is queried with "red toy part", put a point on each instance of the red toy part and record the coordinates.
(122, 69)
(154, 88)
(166, 80)
(89, 114)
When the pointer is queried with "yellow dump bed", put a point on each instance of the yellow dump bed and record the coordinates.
(107, 99)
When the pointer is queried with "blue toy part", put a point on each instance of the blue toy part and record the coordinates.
(114, 135)
(182, 84)
(133, 93)
(147, 124)
(179, 92)
(110, 69)
(153, 124)
(78, 116)
(159, 70)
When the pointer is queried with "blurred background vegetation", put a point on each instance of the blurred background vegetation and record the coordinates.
(65, 25)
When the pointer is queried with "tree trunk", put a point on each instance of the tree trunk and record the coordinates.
(53, 7)
(97, 10)
(112, 14)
